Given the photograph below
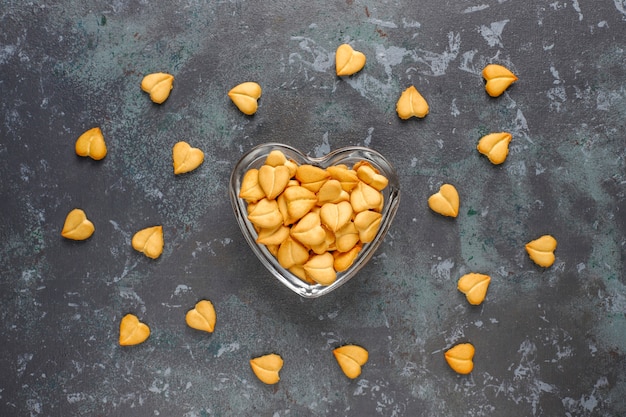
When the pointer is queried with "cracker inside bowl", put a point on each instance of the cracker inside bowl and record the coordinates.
(295, 278)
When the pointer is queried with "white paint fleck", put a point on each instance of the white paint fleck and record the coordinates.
(442, 269)
(557, 96)
(333, 314)
(438, 62)
(493, 33)
(25, 172)
(34, 406)
(517, 169)
(576, 7)
(555, 74)
(454, 110)
(606, 99)
(368, 138)
(158, 386)
(412, 24)
(539, 169)
(362, 385)
(22, 362)
(322, 59)
(382, 23)
(75, 397)
(467, 62)
(477, 8)
(323, 148)
(181, 289)
(6, 52)
(389, 57)
(130, 294)
(228, 348)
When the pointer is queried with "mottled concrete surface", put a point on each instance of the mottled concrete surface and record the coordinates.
(549, 342)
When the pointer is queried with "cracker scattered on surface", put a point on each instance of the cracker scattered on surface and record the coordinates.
(202, 316)
(348, 61)
(77, 226)
(246, 96)
(91, 144)
(495, 146)
(445, 201)
(149, 241)
(267, 368)
(185, 158)
(474, 286)
(132, 331)
(460, 358)
(541, 250)
(498, 78)
(158, 85)
(351, 359)
(412, 104)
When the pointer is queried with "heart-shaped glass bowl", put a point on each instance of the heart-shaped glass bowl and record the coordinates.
(255, 158)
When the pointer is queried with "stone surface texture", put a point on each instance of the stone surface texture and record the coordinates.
(549, 341)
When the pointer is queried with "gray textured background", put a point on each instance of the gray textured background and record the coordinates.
(548, 342)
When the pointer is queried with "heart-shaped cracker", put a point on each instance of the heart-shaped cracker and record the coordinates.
(311, 177)
(186, 158)
(331, 192)
(348, 178)
(91, 143)
(298, 201)
(351, 359)
(309, 230)
(343, 260)
(367, 223)
(411, 104)
(265, 214)
(158, 85)
(271, 237)
(460, 358)
(474, 286)
(276, 158)
(445, 201)
(498, 78)
(246, 96)
(77, 226)
(149, 241)
(495, 146)
(132, 331)
(336, 216)
(320, 268)
(365, 197)
(251, 190)
(267, 368)
(541, 250)
(348, 61)
(291, 252)
(202, 316)
(368, 175)
(273, 179)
